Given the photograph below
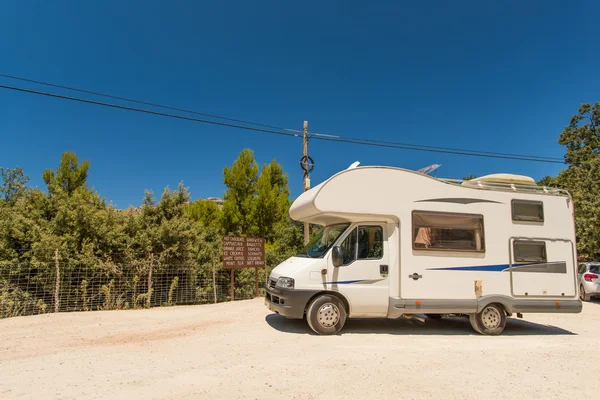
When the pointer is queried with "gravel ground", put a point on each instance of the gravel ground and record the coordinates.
(240, 350)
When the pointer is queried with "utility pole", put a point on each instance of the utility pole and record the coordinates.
(306, 181)
(308, 164)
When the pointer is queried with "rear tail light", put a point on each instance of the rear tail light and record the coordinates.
(589, 277)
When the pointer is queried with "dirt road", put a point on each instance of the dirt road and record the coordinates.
(240, 350)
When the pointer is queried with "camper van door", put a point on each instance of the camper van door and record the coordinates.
(363, 277)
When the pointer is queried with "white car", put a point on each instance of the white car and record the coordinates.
(589, 280)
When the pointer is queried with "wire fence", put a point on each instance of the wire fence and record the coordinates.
(54, 286)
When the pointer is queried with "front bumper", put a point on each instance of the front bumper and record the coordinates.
(290, 303)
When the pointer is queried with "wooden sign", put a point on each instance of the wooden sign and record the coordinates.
(243, 252)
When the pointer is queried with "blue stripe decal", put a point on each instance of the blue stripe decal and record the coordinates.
(488, 268)
(343, 282)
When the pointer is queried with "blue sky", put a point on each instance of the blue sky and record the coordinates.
(490, 76)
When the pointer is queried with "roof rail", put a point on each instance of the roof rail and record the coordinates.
(507, 187)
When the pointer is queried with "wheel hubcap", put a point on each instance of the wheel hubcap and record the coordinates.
(491, 318)
(328, 315)
(581, 293)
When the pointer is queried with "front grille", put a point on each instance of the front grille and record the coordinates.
(274, 299)
(272, 283)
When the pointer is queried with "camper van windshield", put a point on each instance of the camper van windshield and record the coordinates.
(323, 240)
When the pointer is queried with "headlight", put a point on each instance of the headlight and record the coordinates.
(286, 283)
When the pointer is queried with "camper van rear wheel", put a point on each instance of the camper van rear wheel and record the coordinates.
(326, 315)
(491, 320)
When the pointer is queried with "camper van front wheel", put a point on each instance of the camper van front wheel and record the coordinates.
(491, 320)
(326, 315)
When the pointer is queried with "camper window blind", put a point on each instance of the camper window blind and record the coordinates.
(529, 251)
(447, 231)
(526, 210)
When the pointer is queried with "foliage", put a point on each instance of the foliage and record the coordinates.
(240, 180)
(14, 301)
(582, 140)
(206, 212)
(107, 255)
(69, 176)
(172, 289)
(107, 291)
(272, 201)
(582, 178)
(13, 185)
(162, 231)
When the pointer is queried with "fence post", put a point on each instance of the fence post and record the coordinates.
(214, 271)
(57, 285)
(256, 270)
(150, 281)
(232, 285)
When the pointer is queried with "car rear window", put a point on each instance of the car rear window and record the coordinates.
(595, 269)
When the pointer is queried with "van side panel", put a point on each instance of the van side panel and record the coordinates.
(454, 274)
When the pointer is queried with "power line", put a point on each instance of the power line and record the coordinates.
(408, 146)
(137, 101)
(464, 153)
(141, 110)
(364, 142)
(435, 147)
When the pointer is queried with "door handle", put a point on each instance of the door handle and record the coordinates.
(415, 276)
(383, 269)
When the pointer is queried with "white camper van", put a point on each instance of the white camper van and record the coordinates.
(396, 242)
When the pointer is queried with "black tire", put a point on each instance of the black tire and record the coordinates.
(473, 321)
(326, 315)
(437, 317)
(583, 295)
(490, 321)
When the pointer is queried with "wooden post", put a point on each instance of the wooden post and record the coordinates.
(305, 183)
(256, 269)
(150, 281)
(215, 282)
(232, 288)
(57, 286)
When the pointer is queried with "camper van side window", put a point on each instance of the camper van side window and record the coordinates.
(370, 242)
(529, 251)
(526, 210)
(448, 231)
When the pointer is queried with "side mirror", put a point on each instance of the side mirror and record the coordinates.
(337, 256)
